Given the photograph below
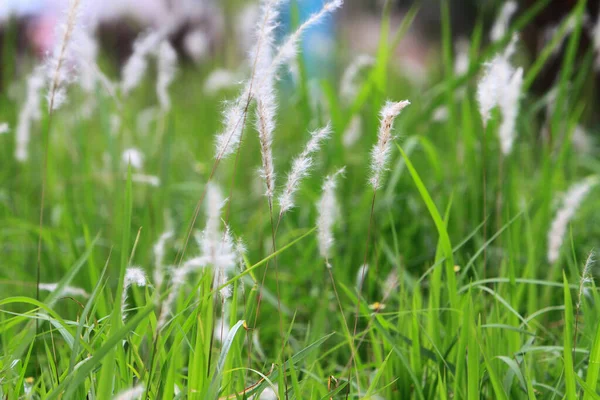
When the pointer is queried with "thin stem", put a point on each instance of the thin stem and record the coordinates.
(360, 285)
(484, 188)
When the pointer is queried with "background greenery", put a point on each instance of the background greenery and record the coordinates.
(452, 326)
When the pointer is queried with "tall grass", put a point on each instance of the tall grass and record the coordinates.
(216, 280)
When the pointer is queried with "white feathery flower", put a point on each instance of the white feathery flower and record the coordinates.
(266, 108)
(381, 151)
(301, 168)
(390, 284)
(497, 72)
(361, 275)
(133, 276)
(571, 202)
(145, 119)
(4, 128)
(586, 277)
(66, 290)
(264, 92)
(348, 84)
(159, 257)
(440, 114)
(582, 141)
(30, 111)
(353, 131)
(137, 64)
(502, 21)
(134, 157)
(509, 105)
(327, 207)
(87, 52)
(288, 50)
(269, 394)
(500, 86)
(216, 247)
(196, 44)
(131, 394)
(59, 72)
(240, 251)
(151, 180)
(167, 67)
(234, 118)
(461, 60)
(178, 276)
(221, 79)
(234, 115)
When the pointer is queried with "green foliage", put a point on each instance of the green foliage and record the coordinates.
(433, 320)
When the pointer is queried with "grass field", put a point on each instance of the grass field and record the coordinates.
(478, 284)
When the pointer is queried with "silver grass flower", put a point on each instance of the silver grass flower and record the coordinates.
(30, 111)
(167, 68)
(328, 211)
(133, 393)
(159, 258)
(301, 168)
(348, 84)
(381, 151)
(133, 276)
(571, 202)
(58, 71)
(67, 290)
(502, 21)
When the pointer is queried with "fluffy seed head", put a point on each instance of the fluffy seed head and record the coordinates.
(137, 64)
(167, 67)
(134, 393)
(220, 79)
(501, 25)
(266, 107)
(67, 290)
(381, 151)
(159, 257)
(133, 156)
(361, 275)
(571, 202)
(348, 84)
(30, 111)
(133, 276)
(327, 208)
(234, 118)
(58, 71)
(352, 132)
(301, 168)
(509, 105)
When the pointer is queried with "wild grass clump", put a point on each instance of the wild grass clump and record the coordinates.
(221, 231)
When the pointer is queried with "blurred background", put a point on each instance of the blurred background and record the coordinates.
(203, 30)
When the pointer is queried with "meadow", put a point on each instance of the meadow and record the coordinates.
(271, 237)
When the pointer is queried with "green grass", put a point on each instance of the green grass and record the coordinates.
(449, 328)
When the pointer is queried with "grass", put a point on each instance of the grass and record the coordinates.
(434, 319)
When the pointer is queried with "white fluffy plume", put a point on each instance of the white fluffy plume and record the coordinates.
(571, 202)
(501, 86)
(301, 168)
(59, 65)
(30, 111)
(167, 67)
(135, 68)
(381, 151)
(327, 207)
(502, 21)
